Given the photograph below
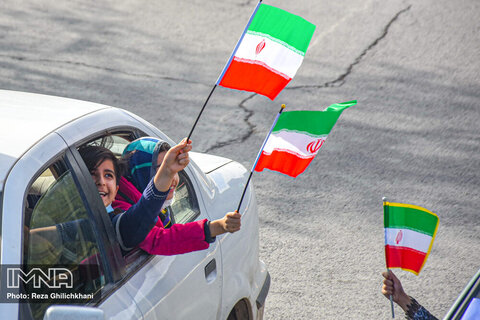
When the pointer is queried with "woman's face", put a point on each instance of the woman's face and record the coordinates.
(105, 180)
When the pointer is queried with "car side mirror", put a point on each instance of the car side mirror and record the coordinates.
(57, 312)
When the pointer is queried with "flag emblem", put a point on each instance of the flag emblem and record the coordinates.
(260, 47)
(314, 146)
(399, 236)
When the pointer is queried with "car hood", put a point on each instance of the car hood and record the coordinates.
(208, 163)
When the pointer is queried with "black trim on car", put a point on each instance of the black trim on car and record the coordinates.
(222, 165)
(262, 296)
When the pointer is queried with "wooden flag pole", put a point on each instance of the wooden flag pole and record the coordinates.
(388, 270)
(225, 68)
(258, 156)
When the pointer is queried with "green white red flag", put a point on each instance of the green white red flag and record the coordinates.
(409, 234)
(269, 52)
(296, 138)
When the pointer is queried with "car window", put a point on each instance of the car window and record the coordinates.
(115, 142)
(185, 205)
(58, 234)
(184, 208)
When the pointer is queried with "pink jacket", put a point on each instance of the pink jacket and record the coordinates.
(178, 239)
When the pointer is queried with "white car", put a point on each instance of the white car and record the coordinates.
(43, 182)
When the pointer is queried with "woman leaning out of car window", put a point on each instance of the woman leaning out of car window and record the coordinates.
(133, 225)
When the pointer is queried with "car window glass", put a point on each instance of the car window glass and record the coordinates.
(115, 142)
(59, 234)
(472, 310)
(185, 205)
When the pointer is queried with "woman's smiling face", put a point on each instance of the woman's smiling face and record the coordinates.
(104, 177)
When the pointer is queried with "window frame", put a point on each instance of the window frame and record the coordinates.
(136, 258)
(69, 162)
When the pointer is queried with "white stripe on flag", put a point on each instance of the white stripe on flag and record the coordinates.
(273, 54)
(303, 145)
(407, 238)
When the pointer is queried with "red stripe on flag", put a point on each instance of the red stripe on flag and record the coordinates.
(254, 76)
(283, 162)
(405, 258)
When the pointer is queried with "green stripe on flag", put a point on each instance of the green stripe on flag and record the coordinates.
(405, 216)
(313, 123)
(289, 28)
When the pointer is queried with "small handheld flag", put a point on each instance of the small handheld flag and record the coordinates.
(296, 139)
(269, 52)
(282, 149)
(409, 234)
(267, 55)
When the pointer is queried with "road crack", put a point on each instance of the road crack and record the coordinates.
(246, 119)
(340, 80)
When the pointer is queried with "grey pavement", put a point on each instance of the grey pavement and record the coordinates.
(413, 66)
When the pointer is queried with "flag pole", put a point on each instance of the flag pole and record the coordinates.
(201, 111)
(258, 156)
(388, 270)
(225, 68)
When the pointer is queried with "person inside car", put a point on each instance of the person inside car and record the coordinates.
(144, 156)
(133, 225)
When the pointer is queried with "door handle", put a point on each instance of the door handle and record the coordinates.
(211, 270)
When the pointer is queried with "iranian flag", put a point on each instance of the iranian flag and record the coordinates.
(409, 234)
(296, 138)
(269, 52)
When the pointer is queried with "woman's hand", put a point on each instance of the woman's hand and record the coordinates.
(230, 223)
(175, 160)
(393, 287)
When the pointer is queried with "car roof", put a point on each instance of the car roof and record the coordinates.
(25, 118)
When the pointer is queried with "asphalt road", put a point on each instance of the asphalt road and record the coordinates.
(413, 66)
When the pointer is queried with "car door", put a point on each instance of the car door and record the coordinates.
(50, 227)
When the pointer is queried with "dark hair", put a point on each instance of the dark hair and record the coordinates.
(93, 156)
(164, 147)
